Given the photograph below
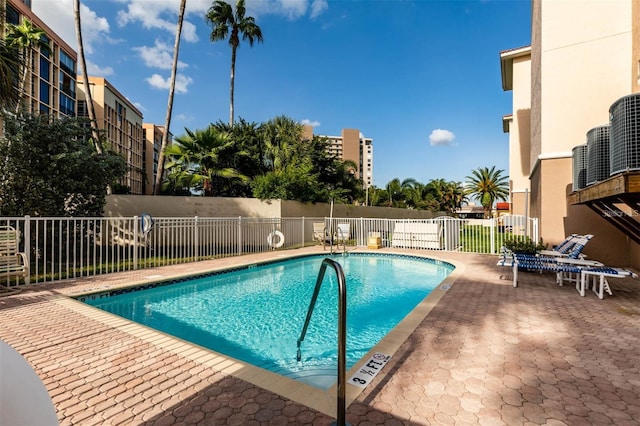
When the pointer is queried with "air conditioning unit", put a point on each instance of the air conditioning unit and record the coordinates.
(624, 116)
(597, 154)
(579, 167)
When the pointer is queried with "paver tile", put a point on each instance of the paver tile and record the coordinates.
(486, 354)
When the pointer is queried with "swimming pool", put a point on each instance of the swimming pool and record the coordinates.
(256, 313)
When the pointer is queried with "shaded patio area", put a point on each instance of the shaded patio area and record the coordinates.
(486, 354)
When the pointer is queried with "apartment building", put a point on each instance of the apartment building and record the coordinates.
(351, 145)
(50, 84)
(152, 135)
(121, 124)
(581, 61)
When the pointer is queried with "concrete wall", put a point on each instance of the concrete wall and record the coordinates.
(161, 206)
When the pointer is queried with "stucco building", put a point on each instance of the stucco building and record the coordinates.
(50, 83)
(121, 124)
(351, 145)
(581, 60)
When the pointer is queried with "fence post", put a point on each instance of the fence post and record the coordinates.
(195, 238)
(304, 237)
(27, 246)
(135, 243)
(239, 235)
(492, 236)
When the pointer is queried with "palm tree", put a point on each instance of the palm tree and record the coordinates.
(197, 158)
(172, 87)
(488, 185)
(25, 37)
(85, 78)
(394, 189)
(10, 64)
(225, 23)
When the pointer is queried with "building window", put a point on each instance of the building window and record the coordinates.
(44, 92)
(44, 68)
(67, 84)
(67, 63)
(67, 105)
(13, 17)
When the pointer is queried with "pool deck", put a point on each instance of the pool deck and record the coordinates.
(487, 353)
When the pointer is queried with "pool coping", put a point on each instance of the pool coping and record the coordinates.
(324, 401)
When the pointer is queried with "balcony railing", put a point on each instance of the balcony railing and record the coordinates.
(63, 248)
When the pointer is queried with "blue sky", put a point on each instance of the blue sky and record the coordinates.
(422, 78)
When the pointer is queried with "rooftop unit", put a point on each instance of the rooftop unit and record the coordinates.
(579, 167)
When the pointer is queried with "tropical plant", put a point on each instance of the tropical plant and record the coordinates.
(394, 192)
(25, 37)
(197, 158)
(10, 64)
(225, 23)
(172, 87)
(51, 169)
(487, 185)
(524, 245)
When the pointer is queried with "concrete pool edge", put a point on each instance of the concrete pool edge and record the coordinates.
(323, 401)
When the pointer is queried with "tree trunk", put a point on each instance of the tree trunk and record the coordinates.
(85, 78)
(233, 72)
(172, 87)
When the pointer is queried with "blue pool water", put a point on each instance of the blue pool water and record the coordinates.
(255, 314)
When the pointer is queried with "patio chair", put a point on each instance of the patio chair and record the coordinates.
(567, 269)
(343, 233)
(571, 247)
(321, 234)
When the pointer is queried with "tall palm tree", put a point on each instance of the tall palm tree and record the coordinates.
(85, 78)
(197, 158)
(225, 23)
(172, 88)
(487, 185)
(25, 37)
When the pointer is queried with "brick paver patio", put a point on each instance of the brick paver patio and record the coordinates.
(487, 354)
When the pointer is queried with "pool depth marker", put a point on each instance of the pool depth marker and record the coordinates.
(369, 370)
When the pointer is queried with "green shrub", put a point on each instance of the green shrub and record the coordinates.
(524, 245)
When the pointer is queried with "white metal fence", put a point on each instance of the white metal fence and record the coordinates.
(62, 248)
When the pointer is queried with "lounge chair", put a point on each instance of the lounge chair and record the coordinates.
(13, 263)
(321, 234)
(571, 269)
(571, 247)
(343, 232)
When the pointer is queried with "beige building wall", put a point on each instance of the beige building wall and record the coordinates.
(635, 47)
(579, 67)
(152, 137)
(121, 123)
(164, 206)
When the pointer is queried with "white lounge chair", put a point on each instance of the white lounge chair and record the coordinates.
(343, 233)
(321, 234)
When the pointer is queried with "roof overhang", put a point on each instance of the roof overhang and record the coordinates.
(506, 64)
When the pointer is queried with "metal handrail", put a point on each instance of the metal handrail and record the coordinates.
(342, 331)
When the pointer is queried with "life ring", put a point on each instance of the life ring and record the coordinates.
(279, 241)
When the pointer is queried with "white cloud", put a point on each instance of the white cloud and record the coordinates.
(292, 9)
(308, 122)
(93, 69)
(317, 7)
(162, 14)
(158, 56)
(441, 137)
(58, 15)
(158, 82)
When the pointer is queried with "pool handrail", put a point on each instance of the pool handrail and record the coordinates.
(342, 332)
